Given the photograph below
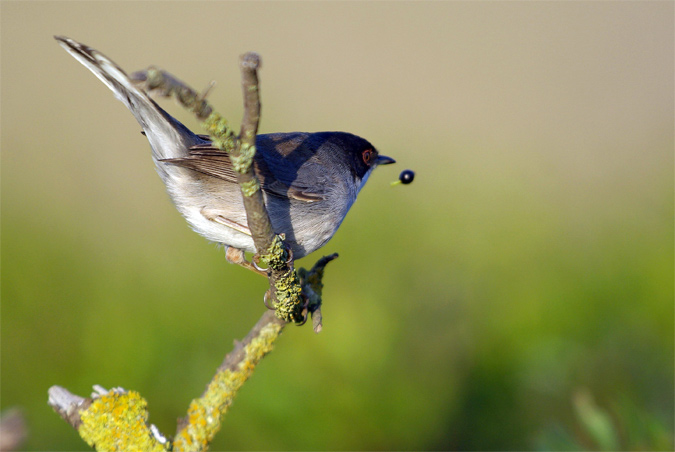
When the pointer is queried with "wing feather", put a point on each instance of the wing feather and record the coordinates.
(211, 161)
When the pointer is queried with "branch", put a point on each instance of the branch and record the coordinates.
(197, 430)
(117, 419)
(257, 217)
(114, 420)
(270, 248)
(312, 287)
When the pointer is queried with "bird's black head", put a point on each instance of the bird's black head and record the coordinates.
(360, 156)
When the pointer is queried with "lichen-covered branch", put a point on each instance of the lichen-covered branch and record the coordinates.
(257, 217)
(198, 429)
(116, 420)
(284, 283)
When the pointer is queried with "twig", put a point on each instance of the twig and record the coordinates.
(258, 219)
(197, 430)
(312, 287)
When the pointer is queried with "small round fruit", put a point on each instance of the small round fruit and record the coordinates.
(406, 176)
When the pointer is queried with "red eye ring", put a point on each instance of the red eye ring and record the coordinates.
(367, 156)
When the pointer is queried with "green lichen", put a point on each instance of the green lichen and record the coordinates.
(218, 128)
(225, 144)
(243, 160)
(154, 78)
(249, 188)
(289, 297)
(118, 422)
(187, 97)
(276, 255)
(288, 292)
(205, 414)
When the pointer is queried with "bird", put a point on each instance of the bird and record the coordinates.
(309, 180)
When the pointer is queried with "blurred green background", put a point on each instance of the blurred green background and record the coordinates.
(518, 295)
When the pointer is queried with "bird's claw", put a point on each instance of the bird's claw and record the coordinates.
(255, 261)
(265, 300)
(236, 256)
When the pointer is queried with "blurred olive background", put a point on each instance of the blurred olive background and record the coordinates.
(518, 295)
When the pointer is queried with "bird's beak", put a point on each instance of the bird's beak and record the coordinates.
(384, 160)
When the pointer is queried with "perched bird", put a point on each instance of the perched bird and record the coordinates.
(309, 180)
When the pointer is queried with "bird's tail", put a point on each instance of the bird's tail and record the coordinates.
(168, 137)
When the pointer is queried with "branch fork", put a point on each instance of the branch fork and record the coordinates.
(116, 419)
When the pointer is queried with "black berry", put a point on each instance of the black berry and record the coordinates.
(406, 176)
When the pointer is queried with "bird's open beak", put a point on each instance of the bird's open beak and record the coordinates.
(384, 160)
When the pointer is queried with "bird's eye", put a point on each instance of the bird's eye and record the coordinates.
(368, 156)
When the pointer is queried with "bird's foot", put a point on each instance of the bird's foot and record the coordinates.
(236, 256)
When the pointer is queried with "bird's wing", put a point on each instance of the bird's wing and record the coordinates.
(209, 160)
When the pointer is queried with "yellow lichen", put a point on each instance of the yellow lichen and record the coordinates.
(249, 188)
(244, 159)
(118, 422)
(276, 255)
(205, 413)
(289, 297)
(220, 131)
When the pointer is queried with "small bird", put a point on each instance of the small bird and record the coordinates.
(309, 180)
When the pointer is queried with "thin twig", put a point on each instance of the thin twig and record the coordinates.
(258, 219)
